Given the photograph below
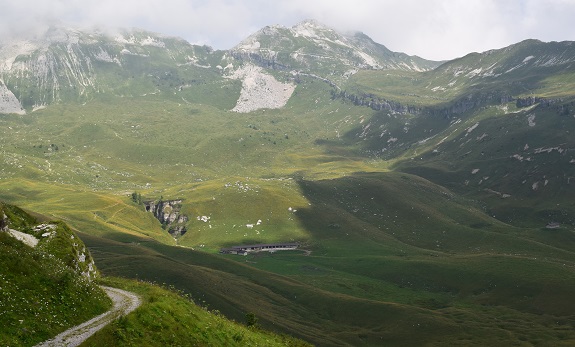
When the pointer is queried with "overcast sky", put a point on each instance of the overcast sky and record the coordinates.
(432, 29)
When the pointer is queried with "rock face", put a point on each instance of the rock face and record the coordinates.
(8, 101)
(4, 222)
(260, 90)
(168, 212)
(65, 64)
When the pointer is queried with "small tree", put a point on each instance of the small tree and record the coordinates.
(251, 320)
(137, 198)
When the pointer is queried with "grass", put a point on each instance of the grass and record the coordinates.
(43, 291)
(451, 297)
(281, 304)
(170, 318)
(377, 264)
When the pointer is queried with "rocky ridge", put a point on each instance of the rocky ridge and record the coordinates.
(311, 46)
(70, 65)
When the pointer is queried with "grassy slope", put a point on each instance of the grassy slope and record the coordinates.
(42, 292)
(417, 271)
(428, 292)
(368, 250)
(523, 153)
(158, 148)
(166, 318)
(507, 152)
(280, 303)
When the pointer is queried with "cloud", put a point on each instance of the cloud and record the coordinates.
(433, 29)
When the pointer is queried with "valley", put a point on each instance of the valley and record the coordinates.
(419, 191)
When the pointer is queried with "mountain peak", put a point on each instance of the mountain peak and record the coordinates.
(61, 34)
(314, 29)
(311, 23)
(313, 46)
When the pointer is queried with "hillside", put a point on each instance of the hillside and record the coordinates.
(491, 125)
(380, 250)
(46, 280)
(50, 287)
(169, 317)
(434, 198)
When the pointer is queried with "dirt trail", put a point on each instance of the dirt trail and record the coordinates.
(124, 303)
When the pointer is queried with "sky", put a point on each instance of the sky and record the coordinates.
(432, 29)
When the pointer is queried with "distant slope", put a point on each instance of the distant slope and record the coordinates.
(526, 69)
(493, 124)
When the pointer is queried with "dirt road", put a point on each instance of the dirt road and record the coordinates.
(124, 303)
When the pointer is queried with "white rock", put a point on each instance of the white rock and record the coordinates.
(8, 101)
(260, 90)
(26, 238)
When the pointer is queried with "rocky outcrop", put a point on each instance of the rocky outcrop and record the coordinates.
(168, 212)
(377, 104)
(8, 101)
(267, 61)
(4, 222)
(470, 102)
(532, 100)
(458, 107)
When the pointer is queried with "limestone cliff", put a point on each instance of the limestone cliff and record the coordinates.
(168, 212)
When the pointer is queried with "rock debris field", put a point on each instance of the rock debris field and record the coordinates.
(124, 303)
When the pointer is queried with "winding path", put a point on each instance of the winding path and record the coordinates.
(124, 303)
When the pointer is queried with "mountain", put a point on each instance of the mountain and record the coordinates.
(69, 65)
(498, 123)
(311, 47)
(517, 58)
(66, 65)
(431, 201)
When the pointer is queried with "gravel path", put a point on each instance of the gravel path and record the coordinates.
(124, 303)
